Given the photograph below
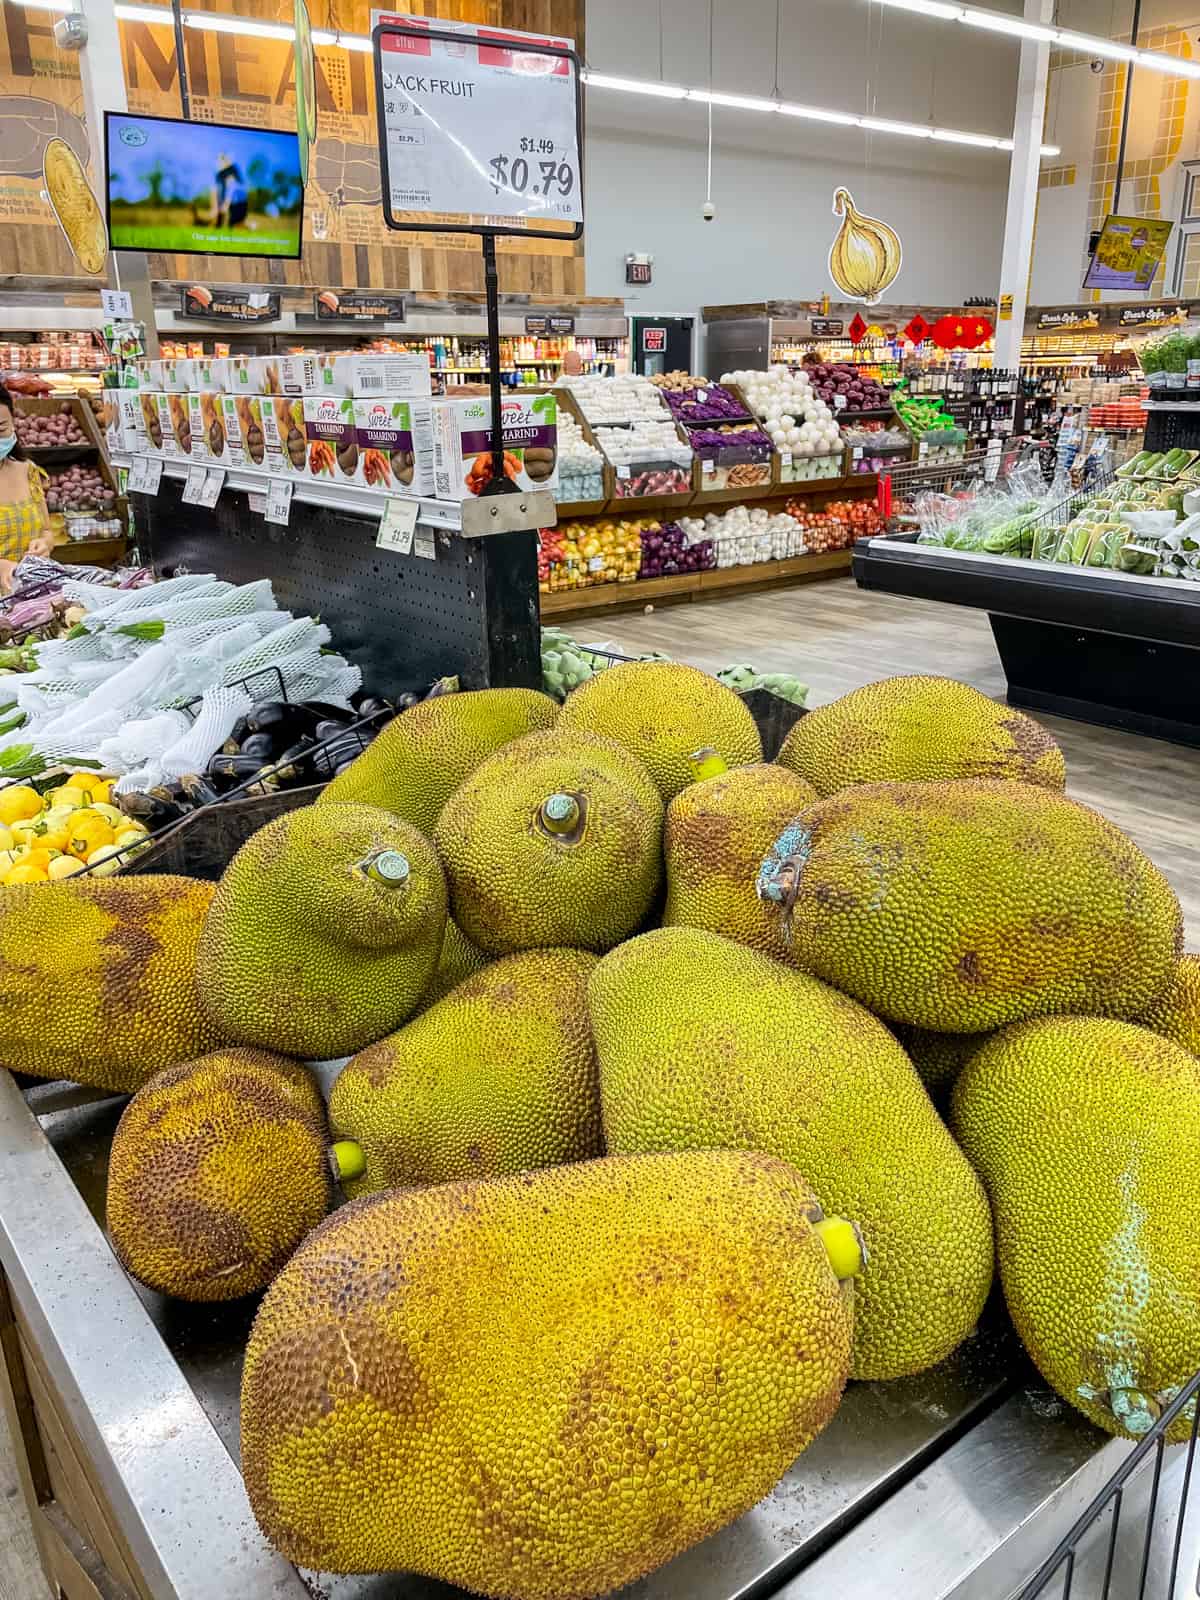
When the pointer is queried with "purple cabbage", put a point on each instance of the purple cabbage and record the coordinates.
(718, 405)
(749, 445)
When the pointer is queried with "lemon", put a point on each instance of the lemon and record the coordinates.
(18, 803)
(64, 867)
(104, 860)
(25, 872)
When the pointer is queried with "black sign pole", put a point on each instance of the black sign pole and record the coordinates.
(500, 482)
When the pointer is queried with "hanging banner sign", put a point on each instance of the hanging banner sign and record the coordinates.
(866, 256)
(344, 305)
(1050, 321)
(857, 331)
(1152, 316)
(476, 128)
(827, 327)
(230, 305)
(540, 327)
(917, 330)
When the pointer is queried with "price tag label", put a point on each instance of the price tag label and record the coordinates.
(194, 487)
(257, 504)
(151, 474)
(623, 473)
(702, 396)
(425, 544)
(398, 525)
(279, 501)
(785, 458)
(136, 481)
(482, 129)
(210, 490)
(856, 453)
(922, 450)
(707, 464)
(116, 303)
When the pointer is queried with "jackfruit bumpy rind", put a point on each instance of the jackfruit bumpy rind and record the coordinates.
(497, 1077)
(218, 1169)
(1176, 1012)
(460, 959)
(517, 885)
(304, 951)
(416, 763)
(98, 979)
(1086, 1132)
(918, 729)
(542, 1387)
(704, 1044)
(716, 835)
(959, 907)
(663, 712)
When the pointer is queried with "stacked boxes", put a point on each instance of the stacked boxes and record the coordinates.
(367, 420)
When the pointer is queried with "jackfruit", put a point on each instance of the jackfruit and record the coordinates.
(938, 1057)
(416, 763)
(716, 835)
(663, 712)
(460, 959)
(98, 979)
(555, 840)
(918, 729)
(498, 1077)
(218, 1169)
(962, 906)
(704, 1044)
(1086, 1133)
(1176, 1012)
(542, 1387)
(324, 932)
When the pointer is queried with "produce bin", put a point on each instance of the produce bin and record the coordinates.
(955, 1485)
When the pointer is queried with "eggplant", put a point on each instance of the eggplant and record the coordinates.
(345, 767)
(199, 790)
(272, 716)
(233, 769)
(259, 746)
(342, 752)
(407, 701)
(328, 730)
(373, 705)
(232, 746)
(148, 808)
(239, 731)
(295, 764)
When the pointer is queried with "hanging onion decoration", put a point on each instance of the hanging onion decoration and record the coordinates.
(865, 258)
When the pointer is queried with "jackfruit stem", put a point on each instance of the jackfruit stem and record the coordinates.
(346, 1160)
(388, 867)
(707, 763)
(560, 813)
(844, 1246)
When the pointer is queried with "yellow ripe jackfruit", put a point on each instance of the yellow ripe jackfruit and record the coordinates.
(962, 906)
(555, 840)
(498, 1077)
(542, 1387)
(716, 835)
(324, 932)
(918, 729)
(218, 1169)
(704, 1044)
(938, 1057)
(1176, 1012)
(1086, 1133)
(98, 979)
(460, 959)
(416, 763)
(663, 713)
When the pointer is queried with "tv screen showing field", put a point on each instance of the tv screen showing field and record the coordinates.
(203, 187)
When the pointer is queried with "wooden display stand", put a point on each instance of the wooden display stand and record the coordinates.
(78, 552)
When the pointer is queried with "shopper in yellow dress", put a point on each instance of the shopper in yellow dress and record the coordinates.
(24, 520)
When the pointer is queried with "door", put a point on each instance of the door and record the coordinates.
(662, 344)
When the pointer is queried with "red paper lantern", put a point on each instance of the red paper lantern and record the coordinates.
(856, 332)
(978, 331)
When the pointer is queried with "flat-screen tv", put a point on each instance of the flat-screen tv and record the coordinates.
(204, 188)
(1127, 253)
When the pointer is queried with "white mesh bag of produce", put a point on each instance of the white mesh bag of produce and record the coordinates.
(134, 750)
(221, 707)
(119, 601)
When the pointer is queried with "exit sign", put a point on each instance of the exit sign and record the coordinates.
(637, 271)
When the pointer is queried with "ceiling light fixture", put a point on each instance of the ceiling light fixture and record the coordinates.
(1065, 38)
(664, 91)
(213, 22)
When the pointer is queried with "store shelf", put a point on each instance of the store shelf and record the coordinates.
(1173, 405)
(688, 586)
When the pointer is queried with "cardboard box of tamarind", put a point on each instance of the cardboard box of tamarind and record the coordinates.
(395, 445)
(332, 439)
(285, 443)
(462, 443)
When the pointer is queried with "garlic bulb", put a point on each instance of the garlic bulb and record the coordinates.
(865, 257)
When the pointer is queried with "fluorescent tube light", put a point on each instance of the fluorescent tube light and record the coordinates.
(986, 141)
(997, 22)
(814, 114)
(356, 41)
(153, 14)
(213, 22)
(909, 130)
(736, 102)
(664, 91)
(1088, 46)
(1177, 65)
(46, 5)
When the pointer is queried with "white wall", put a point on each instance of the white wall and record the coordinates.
(774, 177)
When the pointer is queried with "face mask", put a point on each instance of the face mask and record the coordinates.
(6, 446)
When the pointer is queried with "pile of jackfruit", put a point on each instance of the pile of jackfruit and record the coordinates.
(682, 1088)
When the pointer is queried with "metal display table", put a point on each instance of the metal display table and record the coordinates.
(950, 1486)
(1104, 647)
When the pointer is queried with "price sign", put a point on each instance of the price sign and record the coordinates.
(257, 504)
(623, 473)
(116, 303)
(785, 458)
(477, 123)
(707, 464)
(279, 501)
(194, 487)
(151, 474)
(210, 491)
(398, 525)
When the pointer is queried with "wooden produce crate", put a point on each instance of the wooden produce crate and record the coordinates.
(584, 508)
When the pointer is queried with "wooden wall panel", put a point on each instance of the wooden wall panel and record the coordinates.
(249, 81)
